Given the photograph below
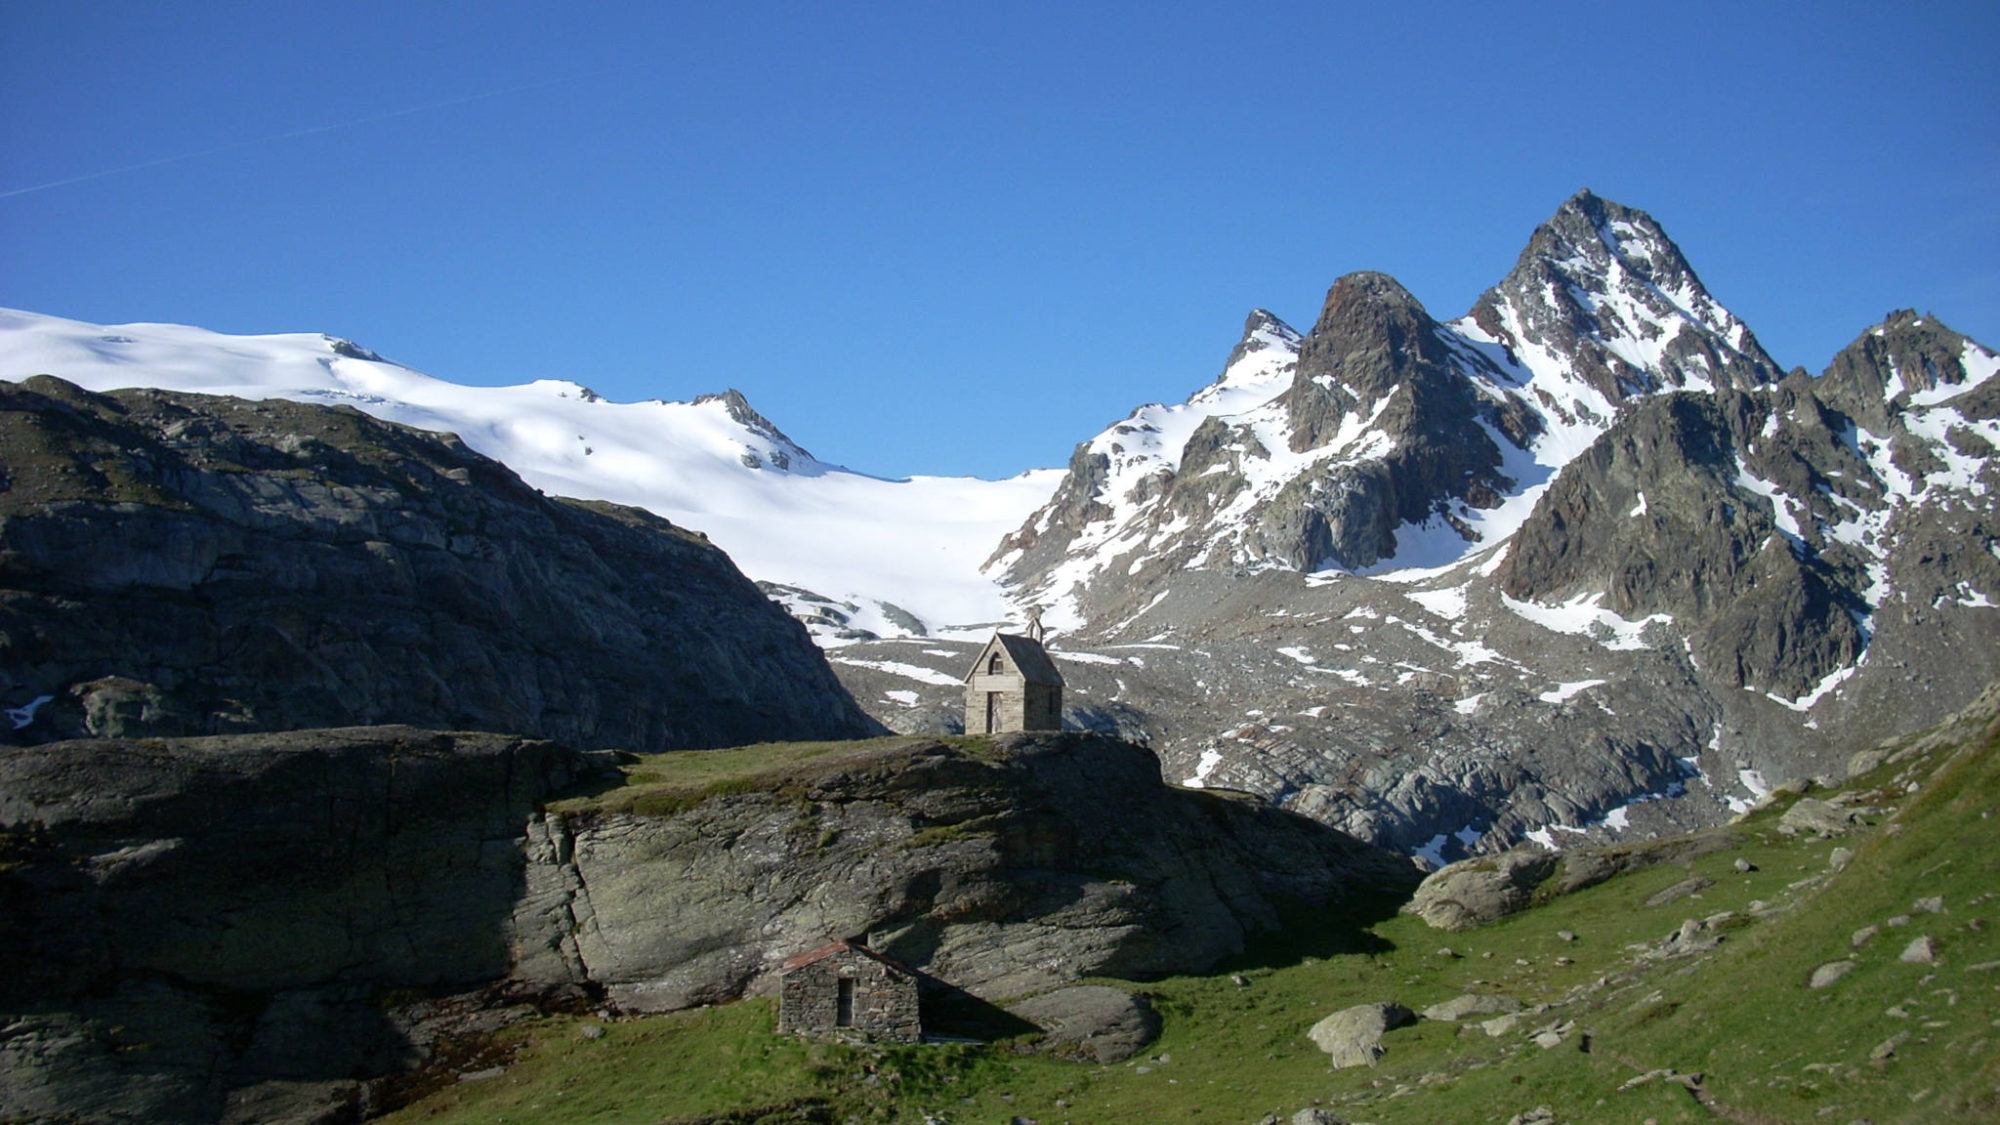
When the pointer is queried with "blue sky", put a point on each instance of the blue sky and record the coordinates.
(953, 237)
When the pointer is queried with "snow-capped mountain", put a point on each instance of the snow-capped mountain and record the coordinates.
(1384, 439)
(853, 553)
(1580, 562)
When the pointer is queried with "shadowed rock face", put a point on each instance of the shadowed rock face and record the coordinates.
(179, 564)
(236, 906)
(243, 905)
(268, 862)
(1764, 608)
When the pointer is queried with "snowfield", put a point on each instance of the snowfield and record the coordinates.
(781, 514)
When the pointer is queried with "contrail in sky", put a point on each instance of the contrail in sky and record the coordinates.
(296, 133)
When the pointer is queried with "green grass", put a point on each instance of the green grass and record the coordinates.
(698, 1062)
(1754, 1023)
(663, 784)
(1770, 1049)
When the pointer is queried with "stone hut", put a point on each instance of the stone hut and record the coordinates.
(1013, 685)
(847, 988)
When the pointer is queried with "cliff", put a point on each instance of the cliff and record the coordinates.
(212, 923)
(178, 564)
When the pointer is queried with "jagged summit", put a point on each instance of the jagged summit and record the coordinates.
(1904, 362)
(348, 349)
(1601, 289)
(745, 415)
(1398, 441)
(1262, 331)
(1372, 338)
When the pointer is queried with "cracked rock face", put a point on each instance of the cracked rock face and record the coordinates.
(179, 564)
(998, 872)
(236, 906)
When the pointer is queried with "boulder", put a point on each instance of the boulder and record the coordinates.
(1353, 1036)
(1472, 1005)
(1812, 816)
(1691, 885)
(1474, 892)
(1092, 1021)
(1866, 761)
(1693, 937)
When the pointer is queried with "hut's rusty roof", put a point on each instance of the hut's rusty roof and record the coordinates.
(801, 960)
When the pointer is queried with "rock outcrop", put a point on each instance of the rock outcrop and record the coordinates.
(1001, 868)
(191, 921)
(177, 564)
(1477, 891)
(196, 924)
(1091, 1022)
(1483, 889)
(1353, 1036)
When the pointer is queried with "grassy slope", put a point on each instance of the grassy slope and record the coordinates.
(1771, 1048)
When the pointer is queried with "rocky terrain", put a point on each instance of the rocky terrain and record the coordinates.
(1582, 568)
(1581, 564)
(177, 564)
(1827, 955)
(219, 924)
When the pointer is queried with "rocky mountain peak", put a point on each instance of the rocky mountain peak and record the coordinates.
(743, 414)
(1371, 338)
(1262, 332)
(1593, 515)
(1907, 360)
(348, 349)
(1602, 291)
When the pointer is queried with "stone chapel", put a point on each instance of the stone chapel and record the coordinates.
(1013, 685)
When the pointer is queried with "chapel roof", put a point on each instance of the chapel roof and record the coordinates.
(1026, 655)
